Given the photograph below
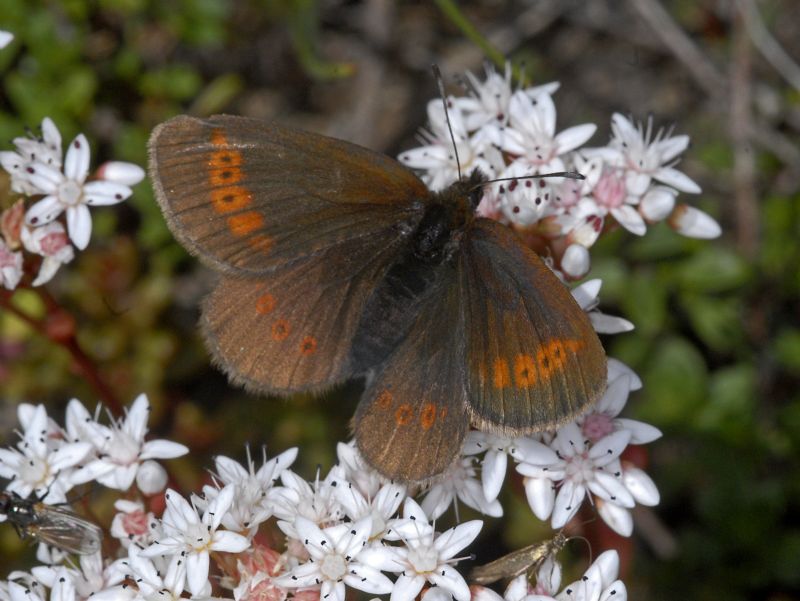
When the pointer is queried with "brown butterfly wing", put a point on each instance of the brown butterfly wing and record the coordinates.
(249, 196)
(291, 330)
(533, 359)
(412, 418)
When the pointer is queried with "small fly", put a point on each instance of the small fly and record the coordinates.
(51, 524)
(517, 562)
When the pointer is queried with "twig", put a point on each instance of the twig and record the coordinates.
(769, 47)
(740, 124)
(84, 363)
(710, 79)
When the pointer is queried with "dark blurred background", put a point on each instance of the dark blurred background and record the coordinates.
(717, 339)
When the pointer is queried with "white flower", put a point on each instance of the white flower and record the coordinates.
(645, 157)
(578, 468)
(5, 38)
(132, 523)
(495, 461)
(694, 223)
(154, 584)
(52, 243)
(460, 482)
(532, 135)
(68, 191)
(30, 150)
(427, 556)
(191, 538)
(297, 498)
(438, 157)
(602, 420)
(587, 296)
(10, 267)
(121, 447)
(90, 580)
(253, 499)
(576, 261)
(333, 562)
(364, 477)
(380, 508)
(41, 465)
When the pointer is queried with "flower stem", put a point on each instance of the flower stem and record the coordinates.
(453, 12)
(83, 362)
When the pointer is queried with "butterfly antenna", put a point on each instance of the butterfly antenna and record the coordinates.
(440, 84)
(566, 174)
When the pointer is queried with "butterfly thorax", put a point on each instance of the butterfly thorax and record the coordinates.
(414, 277)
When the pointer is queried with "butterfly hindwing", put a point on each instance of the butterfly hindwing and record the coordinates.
(292, 330)
(412, 418)
(533, 360)
(248, 196)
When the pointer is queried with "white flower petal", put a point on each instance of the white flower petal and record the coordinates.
(120, 172)
(568, 501)
(368, 579)
(610, 488)
(5, 38)
(44, 211)
(617, 367)
(572, 137)
(630, 219)
(541, 496)
(493, 473)
(454, 540)
(162, 449)
(693, 223)
(103, 193)
(406, 588)
(76, 163)
(576, 261)
(609, 324)
(618, 518)
(677, 179)
(641, 433)
(641, 486)
(608, 448)
(79, 225)
(658, 203)
(229, 542)
(448, 578)
(197, 565)
(607, 564)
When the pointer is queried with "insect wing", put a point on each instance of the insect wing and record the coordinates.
(248, 196)
(292, 330)
(412, 419)
(65, 530)
(517, 562)
(533, 359)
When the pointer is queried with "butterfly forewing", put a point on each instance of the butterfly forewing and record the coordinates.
(248, 196)
(533, 360)
(292, 330)
(411, 421)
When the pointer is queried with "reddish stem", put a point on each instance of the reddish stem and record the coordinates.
(69, 342)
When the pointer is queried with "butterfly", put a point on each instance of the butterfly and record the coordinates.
(337, 262)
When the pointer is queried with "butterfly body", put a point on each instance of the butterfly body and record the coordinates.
(337, 262)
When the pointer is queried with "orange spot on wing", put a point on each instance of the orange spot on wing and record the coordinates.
(574, 345)
(308, 346)
(245, 223)
(221, 159)
(427, 416)
(230, 198)
(384, 399)
(524, 371)
(261, 243)
(265, 304)
(280, 330)
(218, 137)
(551, 358)
(224, 176)
(403, 415)
(501, 376)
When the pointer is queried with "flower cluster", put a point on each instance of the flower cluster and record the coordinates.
(56, 184)
(350, 528)
(511, 134)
